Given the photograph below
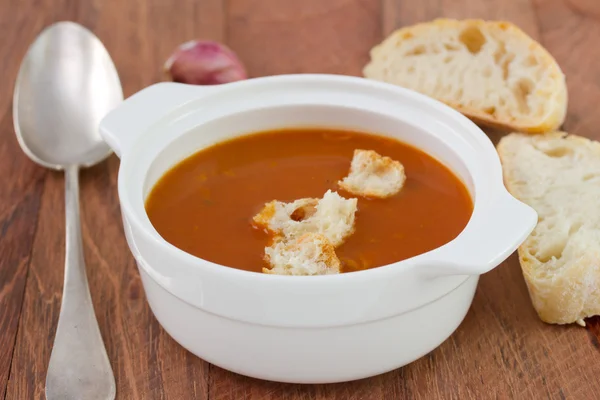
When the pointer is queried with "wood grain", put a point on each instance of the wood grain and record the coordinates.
(281, 37)
(398, 13)
(20, 191)
(501, 350)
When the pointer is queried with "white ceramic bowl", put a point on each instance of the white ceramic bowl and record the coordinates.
(309, 329)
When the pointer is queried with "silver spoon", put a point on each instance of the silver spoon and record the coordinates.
(66, 84)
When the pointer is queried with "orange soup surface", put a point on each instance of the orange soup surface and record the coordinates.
(205, 204)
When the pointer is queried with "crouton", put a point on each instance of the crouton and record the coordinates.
(332, 216)
(335, 217)
(307, 254)
(276, 215)
(373, 175)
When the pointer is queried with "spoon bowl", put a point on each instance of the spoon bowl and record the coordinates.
(66, 84)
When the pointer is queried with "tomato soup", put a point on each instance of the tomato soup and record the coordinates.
(204, 205)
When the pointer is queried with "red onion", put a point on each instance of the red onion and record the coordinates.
(203, 62)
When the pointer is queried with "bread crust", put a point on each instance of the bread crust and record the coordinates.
(549, 122)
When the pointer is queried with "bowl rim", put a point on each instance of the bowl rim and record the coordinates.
(490, 159)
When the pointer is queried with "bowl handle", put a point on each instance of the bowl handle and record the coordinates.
(124, 124)
(485, 244)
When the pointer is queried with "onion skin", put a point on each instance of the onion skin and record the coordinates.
(204, 62)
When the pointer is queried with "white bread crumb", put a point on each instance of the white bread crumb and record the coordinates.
(308, 254)
(373, 175)
(332, 216)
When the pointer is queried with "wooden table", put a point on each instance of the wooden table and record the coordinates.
(500, 351)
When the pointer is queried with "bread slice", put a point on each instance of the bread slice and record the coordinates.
(332, 216)
(490, 71)
(307, 254)
(559, 176)
(373, 175)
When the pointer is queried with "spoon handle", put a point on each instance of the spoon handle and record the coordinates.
(79, 367)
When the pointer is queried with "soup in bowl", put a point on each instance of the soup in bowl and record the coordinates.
(204, 205)
(207, 172)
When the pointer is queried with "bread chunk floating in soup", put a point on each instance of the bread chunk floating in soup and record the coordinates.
(308, 202)
(307, 254)
(373, 175)
(332, 216)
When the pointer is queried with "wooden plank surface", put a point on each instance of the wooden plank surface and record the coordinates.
(500, 351)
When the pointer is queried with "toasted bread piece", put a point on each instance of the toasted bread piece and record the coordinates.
(373, 175)
(277, 216)
(307, 254)
(332, 216)
(559, 176)
(490, 71)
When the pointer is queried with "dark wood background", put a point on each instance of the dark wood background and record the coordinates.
(500, 351)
